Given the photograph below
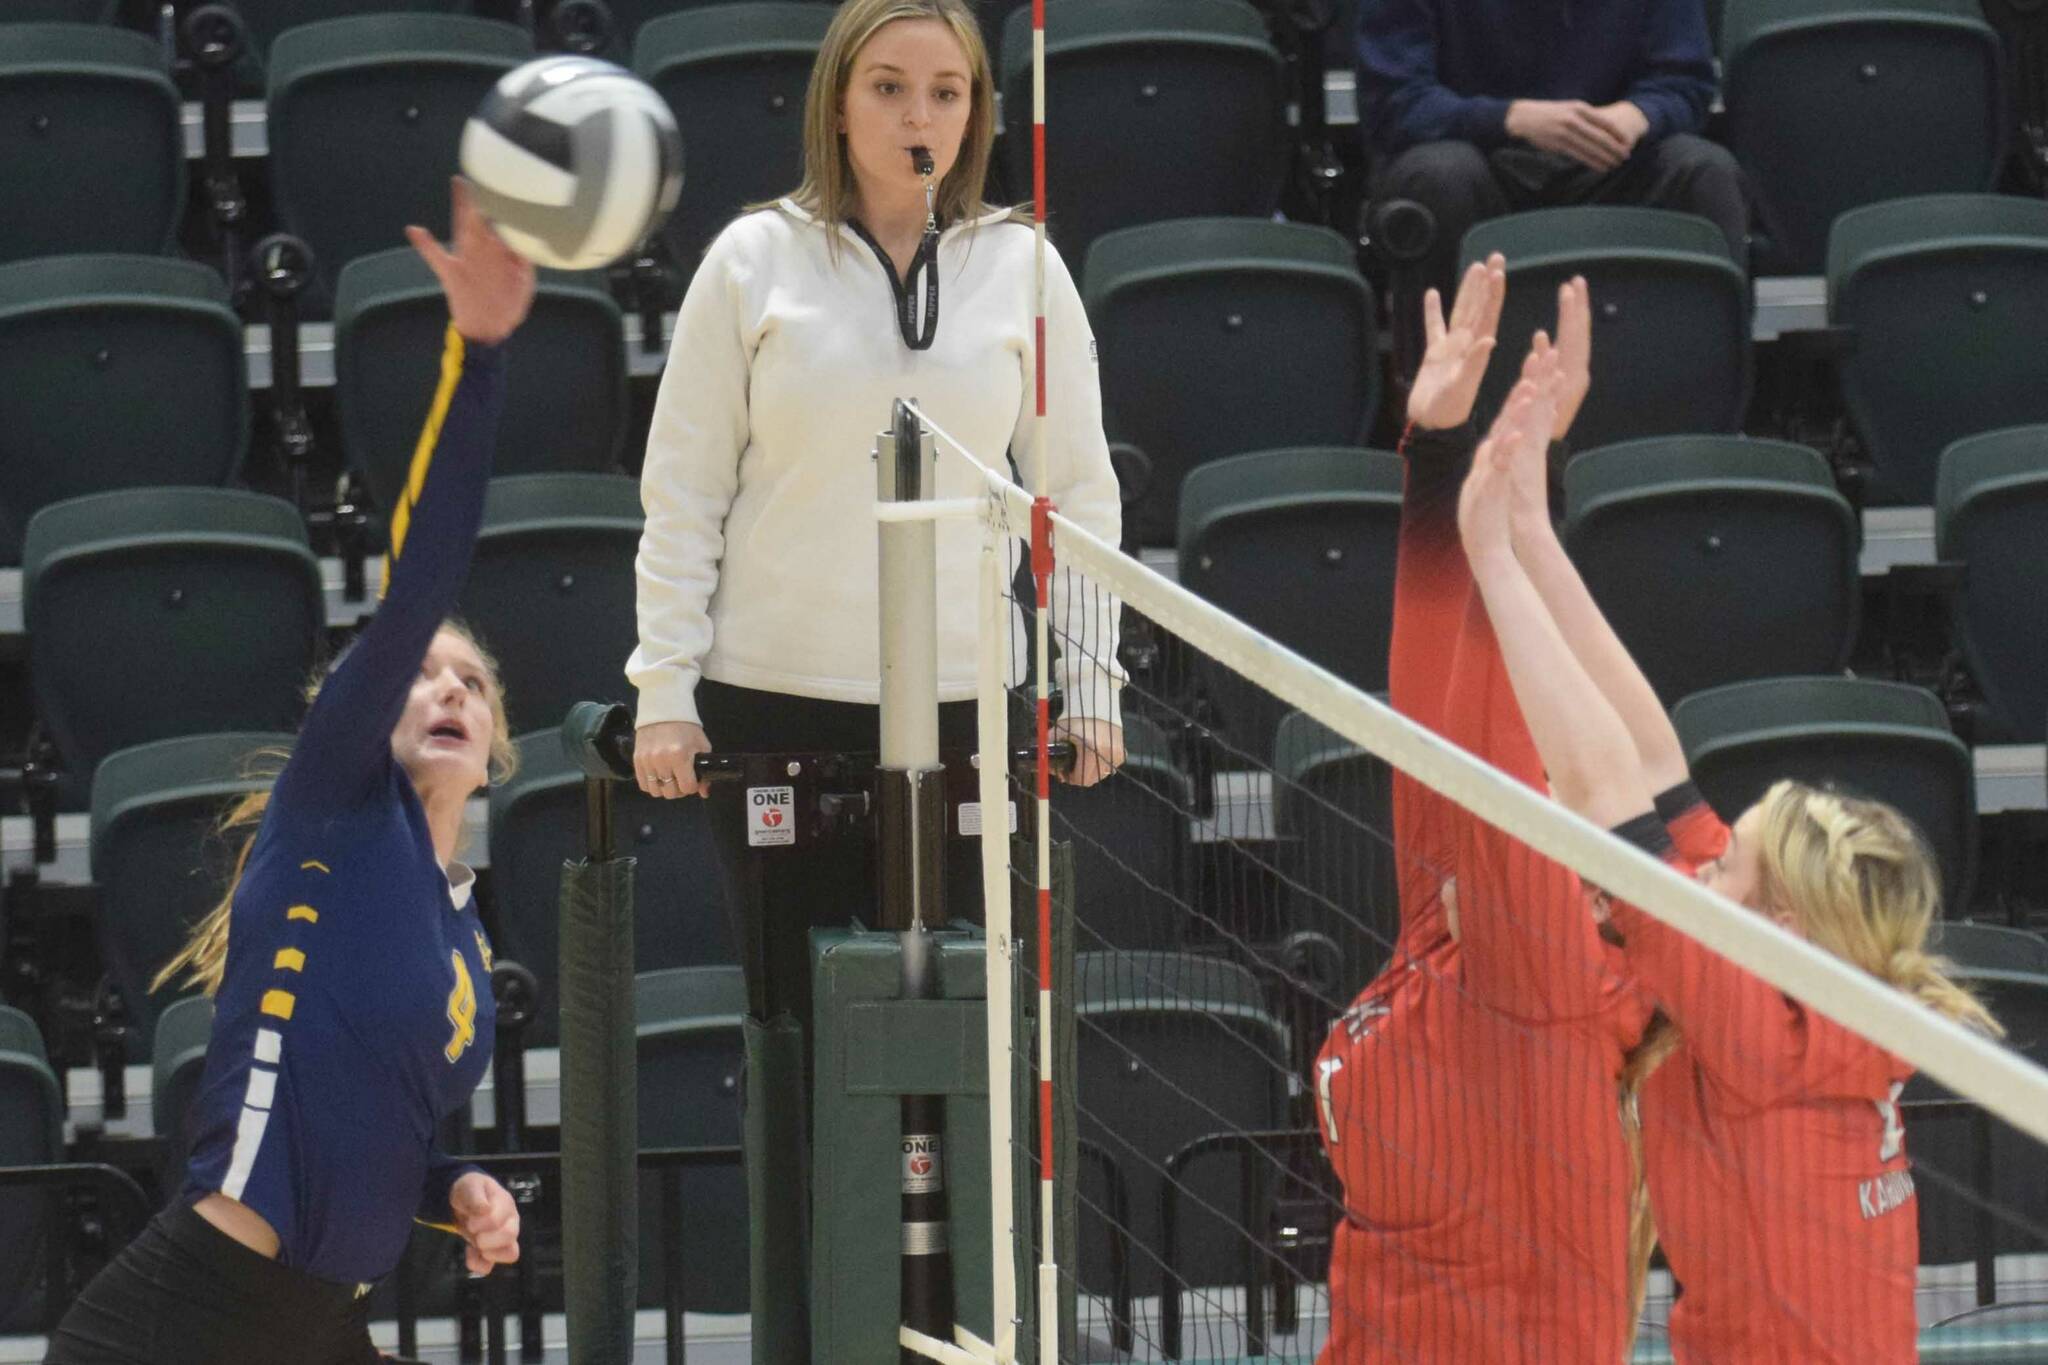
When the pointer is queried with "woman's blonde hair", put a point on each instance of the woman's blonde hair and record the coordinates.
(204, 958)
(828, 188)
(1858, 880)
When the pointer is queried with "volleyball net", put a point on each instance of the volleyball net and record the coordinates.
(1334, 1039)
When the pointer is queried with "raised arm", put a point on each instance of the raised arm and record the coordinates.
(345, 743)
(1599, 651)
(1585, 746)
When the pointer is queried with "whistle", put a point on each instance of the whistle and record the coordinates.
(921, 160)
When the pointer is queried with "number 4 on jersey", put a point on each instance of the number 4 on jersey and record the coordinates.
(461, 1009)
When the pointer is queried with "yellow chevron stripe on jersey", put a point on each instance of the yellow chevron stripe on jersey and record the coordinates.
(289, 960)
(304, 912)
(279, 1003)
(316, 865)
(423, 453)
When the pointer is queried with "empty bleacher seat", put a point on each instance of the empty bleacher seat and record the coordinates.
(90, 140)
(1300, 545)
(1172, 1047)
(1945, 1150)
(154, 613)
(1944, 294)
(1996, 946)
(177, 1062)
(1333, 815)
(1716, 558)
(1133, 861)
(551, 592)
(158, 857)
(565, 405)
(61, 11)
(1203, 327)
(1167, 109)
(537, 824)
(365, 118)
(31, 1134)
(120, 372)
(687, 1037)
(1877, 739)
(1991, 514)
(1671, 329)
(734, 75)
(1837, 103)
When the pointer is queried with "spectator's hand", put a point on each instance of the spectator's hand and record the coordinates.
(1454, 358)
(1627, 119)
(1574, 353)
(664, 758)
(1573, 128)
(1098, 749)
(488, 284)
(488, 1219)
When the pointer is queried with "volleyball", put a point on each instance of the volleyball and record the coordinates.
(574, 161)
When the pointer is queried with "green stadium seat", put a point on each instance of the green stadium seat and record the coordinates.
(1716, 558)
(62, 11)
(164, 612)
(1943, 293)
(91, 139)
(365, 118)
(31, 1134)
(1671, 316)
(1333, 815)
(1945, 1149)
(1200, 326)
(565, 404)
(537, 824)
(1991, 514)
(687, 1032)
(1996, 946)
(1834, 104)
(1172, 1047)
(1878, 739)
(158, 857)
(121, 372)
(1134, 876)
(734, 75)
(1300, 545)
(178, 1061)
(551, 592)
(1167, 109)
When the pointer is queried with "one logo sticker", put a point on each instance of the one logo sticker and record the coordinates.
(921, 1163)
(771, 816)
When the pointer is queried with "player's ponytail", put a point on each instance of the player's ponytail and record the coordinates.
(203, 961)
(1860, 882)
(1659, 1041)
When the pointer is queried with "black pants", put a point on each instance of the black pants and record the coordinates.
(826, 885)
(1463, 185)
(185, 1293)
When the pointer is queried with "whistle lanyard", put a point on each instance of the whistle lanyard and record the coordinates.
(925, 262)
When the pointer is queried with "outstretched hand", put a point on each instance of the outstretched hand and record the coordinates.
(1528, 457)
(489, 286)
(1574, 352)
(1456, 352)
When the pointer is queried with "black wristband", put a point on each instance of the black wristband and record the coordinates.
(1646, 832)
(1440, 443)
(1679, 800)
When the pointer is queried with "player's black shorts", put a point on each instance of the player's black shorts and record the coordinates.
(185, 1293)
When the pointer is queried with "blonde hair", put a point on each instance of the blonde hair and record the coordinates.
(204, 958)
(1859, 881)
(828, 189)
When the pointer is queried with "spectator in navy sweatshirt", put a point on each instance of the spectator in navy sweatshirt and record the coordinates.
(1478, 108)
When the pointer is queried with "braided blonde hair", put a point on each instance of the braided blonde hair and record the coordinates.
(1862, 884)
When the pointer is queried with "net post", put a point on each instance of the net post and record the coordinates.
(993, 775)
(910, 827)
(1041, 578)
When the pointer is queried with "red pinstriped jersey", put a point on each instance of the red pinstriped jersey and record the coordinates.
(1777, 1165)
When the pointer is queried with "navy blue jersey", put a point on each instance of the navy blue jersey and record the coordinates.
(356, 1010)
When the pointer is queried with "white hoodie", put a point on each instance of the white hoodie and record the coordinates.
(758, 564)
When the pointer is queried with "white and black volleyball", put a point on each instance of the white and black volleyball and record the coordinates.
(574, 161)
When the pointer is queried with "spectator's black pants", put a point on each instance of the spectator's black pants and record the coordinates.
(1461, 185)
